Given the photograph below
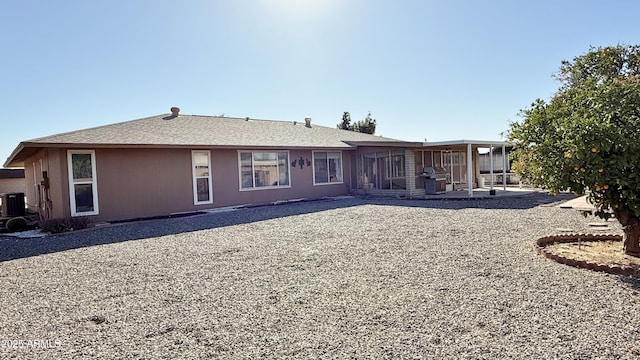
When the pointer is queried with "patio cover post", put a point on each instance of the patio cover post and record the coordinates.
(491, 166)
(504, 168)
(469, 170)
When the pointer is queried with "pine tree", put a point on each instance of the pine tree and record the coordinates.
(345, 124)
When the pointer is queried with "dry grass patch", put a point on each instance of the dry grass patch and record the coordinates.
(604, 252)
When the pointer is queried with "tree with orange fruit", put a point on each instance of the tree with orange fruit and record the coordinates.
(586, 138)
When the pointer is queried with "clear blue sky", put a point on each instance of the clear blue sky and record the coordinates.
(441, 70)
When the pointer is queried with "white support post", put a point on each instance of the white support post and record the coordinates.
(504, 168)
(469, 170)
(491, 166)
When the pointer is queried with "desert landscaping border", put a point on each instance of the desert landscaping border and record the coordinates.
(541, 244)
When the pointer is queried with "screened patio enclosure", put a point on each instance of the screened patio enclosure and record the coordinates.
(382, 170)
(454, 162)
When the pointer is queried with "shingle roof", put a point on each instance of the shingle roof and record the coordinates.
(11, 173)
(210, 131)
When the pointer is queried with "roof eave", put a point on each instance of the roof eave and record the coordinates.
(10, 160)
(17, 157)
(465, 142)
(398, 143)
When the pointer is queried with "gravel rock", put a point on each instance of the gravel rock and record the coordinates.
(349, 278)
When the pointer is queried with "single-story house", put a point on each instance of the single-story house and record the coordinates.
(12, 181)
(493, 159)
(495, 164)
(175, 163)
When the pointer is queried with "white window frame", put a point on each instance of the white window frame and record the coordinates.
(93, 182)
(195, 178)
(253, 170)
(328, 180)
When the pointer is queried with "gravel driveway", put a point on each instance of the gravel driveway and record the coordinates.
(349, 278)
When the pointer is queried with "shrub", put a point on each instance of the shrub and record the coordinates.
(55, 226)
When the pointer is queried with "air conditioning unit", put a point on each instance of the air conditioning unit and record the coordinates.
(13, 204)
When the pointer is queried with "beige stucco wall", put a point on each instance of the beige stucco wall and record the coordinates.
(8, 186)
(12, 186)
(143, 182)
(226, 182)
(134, 183)
(28, 181)
(50, 203)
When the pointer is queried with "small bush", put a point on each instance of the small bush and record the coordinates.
(55, 226)
(16, 224)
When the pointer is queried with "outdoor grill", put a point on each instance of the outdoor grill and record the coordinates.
(435, 180)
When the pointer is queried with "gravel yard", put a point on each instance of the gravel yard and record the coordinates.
(349, 278)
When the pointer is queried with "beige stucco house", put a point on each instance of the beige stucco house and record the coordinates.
(175, 163)
(12, 181)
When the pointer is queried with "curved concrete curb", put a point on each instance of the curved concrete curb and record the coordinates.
(542, 242)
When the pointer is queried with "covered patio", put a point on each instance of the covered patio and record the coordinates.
(460, 159)
(400, 170)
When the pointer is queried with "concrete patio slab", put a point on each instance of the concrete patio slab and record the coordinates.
(579, 203)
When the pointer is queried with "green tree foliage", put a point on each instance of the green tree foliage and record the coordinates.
(586, 138)
(367, 125)
(345, 124)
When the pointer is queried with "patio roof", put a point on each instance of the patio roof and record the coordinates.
(466, 142)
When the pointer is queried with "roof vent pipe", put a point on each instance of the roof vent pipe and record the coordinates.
(307, 122)
(175, 111)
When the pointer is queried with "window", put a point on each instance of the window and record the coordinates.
(327, 167)
(202, 189)
(263, 169)
(83, 186)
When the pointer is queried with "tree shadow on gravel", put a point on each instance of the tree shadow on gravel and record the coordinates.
(632, 282)
(15, 248)
(520, 202)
